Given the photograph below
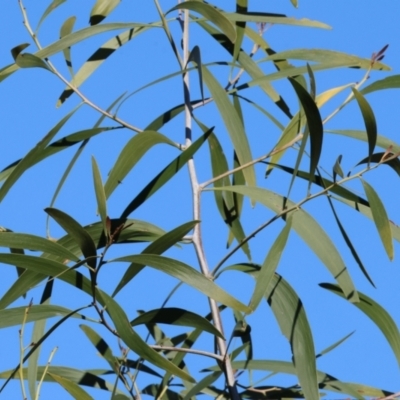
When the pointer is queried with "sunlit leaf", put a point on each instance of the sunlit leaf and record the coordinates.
(314, 123)
(160, 245)
(369, 120)
(50, 8)
(100, 195)
(65, 30)
(377, 314)
(186, 274)
(309, 230)
(293, 322)
(233, 124)
(266, 274)
(334, 345)
(195, 57)
(394, 163)
(16, 51)
(71, 387)
(133, 151)
(211, 14)
(77, 232)
(390, 82)
(176, 316)
(135, 342)
(101, 10)
(380, 218)
(27, 60)
(165, 175)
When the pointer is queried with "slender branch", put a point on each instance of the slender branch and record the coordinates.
(190, 351)
(70, 85)
(296, 207)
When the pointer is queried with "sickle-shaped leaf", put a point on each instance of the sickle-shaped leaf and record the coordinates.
(314, 123)
(78, 233)
(133, 151)
(65, 30)
(35, 243)
(390, 82)
(308, 229)
(334, 345)
(165, 175)
(100, 196)
(380, 218)
(160, 245)
(14, 316)
(233, 124)
(337, 169)
(377, 314)
(176, 316)
(71, 387)
(292, 320)
(16, 51)
(241, 7)
(195, 57)
(135, 342)
(15, 171)
(188, 275)
(51, 7)
(369, 120)
(27, 60)
(394, 163)
(101, 10)
(211, 14)
(266, 274)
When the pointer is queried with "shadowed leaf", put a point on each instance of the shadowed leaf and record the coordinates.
(101, 9)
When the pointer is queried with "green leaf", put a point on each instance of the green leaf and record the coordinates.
(380, 218)
(337, 169)
(27, 60)
(266, 274)
(394, 163)
(293, 322)
(233, 124)
(335, 58)
(51, 7)
(13, 172)
(211, 14)
(35, 243)
(100, 196)
(186, 274)
(101, 10)
(176, 316)
(160, 245)
(71, 387)
(16, 51)
(390, 82)
(295, 3)
(165, 175)
(133, 151)
(206, 382)
(78, 233)
(65, 30)
(308, 229)
(135, 342)
(195, 57)
(369, 120)
(333, 346)
(377, 314)
(14, 316)
(314, 123)
(97, 58)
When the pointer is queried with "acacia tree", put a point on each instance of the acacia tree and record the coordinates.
(160, 351)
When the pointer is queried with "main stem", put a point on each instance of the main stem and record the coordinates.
(197, 237)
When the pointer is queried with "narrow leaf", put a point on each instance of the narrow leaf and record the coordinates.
(233, 124)
(308, 229)
(211, 14)
(266, 274)
(101, 10)
(369, 120)
(27, 60)
(176, 316)
(160, 245)
(394, 163)
(186, 274)
(135, 342)
(293, 322)
(377, 314)
(65, 30)
(165, 175)
(195, 57)
(390, 82)
(314, 123)
(100, 196)
(337, 169)
(78, 233)
(51, 7)
(71, 387)
(380, 218)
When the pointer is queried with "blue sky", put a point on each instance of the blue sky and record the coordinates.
(28, 101)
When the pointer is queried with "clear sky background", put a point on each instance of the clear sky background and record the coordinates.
(28, 111)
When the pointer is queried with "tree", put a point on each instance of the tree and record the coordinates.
(216, 235)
